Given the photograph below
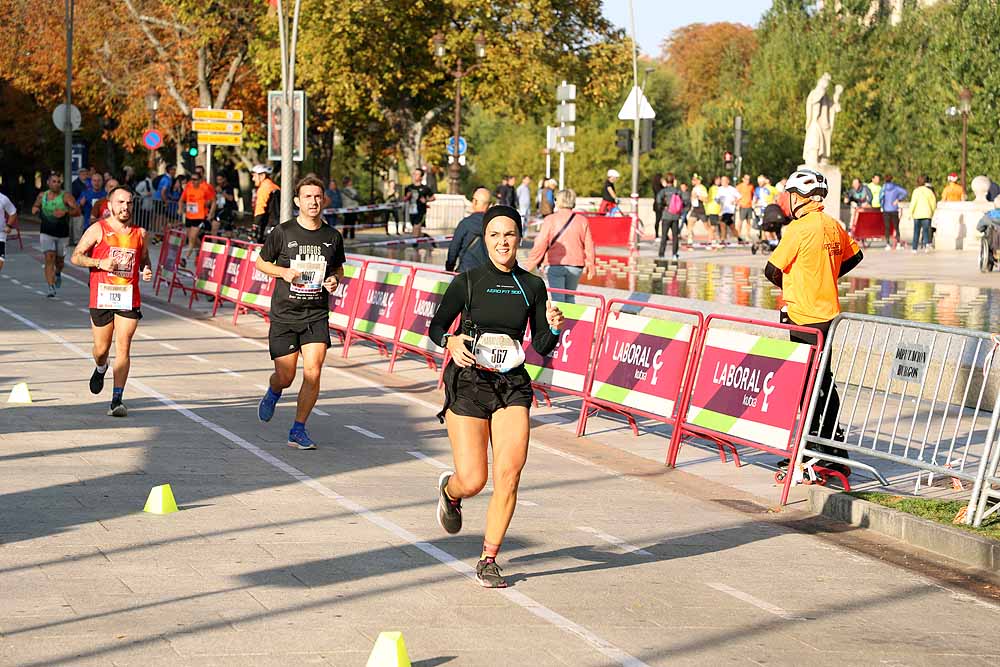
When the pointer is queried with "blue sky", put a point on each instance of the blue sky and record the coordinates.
(655, 19)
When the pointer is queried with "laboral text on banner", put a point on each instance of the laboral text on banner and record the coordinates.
(749, 386)
(566, 366)
(641, 363)
(230, 289)
(258, 286)
(425, 297)
(211, 265)
(382, 292)
(343, 299)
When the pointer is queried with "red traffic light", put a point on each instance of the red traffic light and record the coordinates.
(728, 156)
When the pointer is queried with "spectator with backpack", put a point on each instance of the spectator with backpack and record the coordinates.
(467, 250)
(564, 244)
(670, 199)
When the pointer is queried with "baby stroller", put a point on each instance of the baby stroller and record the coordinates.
(989, 244)
(768, 221)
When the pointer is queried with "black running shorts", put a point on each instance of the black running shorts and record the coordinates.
(193, 223)
(473, 392)
(728, 219)
(713, 219)
(102, 317)
(284, 339)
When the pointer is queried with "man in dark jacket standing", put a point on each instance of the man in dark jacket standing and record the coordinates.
(467, 249)
(671, 216)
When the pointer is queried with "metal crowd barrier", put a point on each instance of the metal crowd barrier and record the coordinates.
(913, 397)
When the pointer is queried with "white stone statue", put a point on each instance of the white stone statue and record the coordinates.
(821, 113)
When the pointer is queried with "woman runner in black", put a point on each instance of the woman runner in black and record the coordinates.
(487, 390)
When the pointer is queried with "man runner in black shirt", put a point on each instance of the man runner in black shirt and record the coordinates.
(308, 257)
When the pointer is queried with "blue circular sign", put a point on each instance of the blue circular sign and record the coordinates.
(462, 146)
(152, 139)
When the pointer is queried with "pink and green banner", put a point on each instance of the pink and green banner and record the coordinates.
(426, 292)
(230, 289)
(566, 366)
(257, 286)
(344, 298)
(172, 245)
(749, 386)
(641, 363)
(211, 265)
(382, 294)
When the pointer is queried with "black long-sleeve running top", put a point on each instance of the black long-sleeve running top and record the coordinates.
(501, 303)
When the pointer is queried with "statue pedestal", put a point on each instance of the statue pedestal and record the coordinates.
(831, 205)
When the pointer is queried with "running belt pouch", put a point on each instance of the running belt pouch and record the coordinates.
(556, 237)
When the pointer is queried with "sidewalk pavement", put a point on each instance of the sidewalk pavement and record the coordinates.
(284, 557)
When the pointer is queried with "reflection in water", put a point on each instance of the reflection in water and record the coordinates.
(918, 301)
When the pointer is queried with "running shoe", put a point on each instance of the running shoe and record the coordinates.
(265, 409)
(300, 440)
(1, 262)
(488, 574)
(97, 381)
(58, 281)
(449, 512)
(117, 408)
(52, 292)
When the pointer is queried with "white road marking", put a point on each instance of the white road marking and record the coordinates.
(82, 310)
(529, 604)
(429, 460)
(617, 541)
(757, 602)
(229, 372)
(321, 413)
(581, 461)
(14, 280)
(144, 336)
(170, 347)
(365, 432)
(261, 387)
(197, 358)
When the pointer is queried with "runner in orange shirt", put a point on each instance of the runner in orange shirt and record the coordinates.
(114, 250)
(745, 213)
(198, 203)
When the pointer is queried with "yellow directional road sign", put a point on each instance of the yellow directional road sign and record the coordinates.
(218, 126)
(220, 139)
(216, 114)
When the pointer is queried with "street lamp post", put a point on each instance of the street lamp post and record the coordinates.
(454, 168)
(152, 104)
(964, 107)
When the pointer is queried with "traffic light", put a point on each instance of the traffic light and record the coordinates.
(645, 135)
(728, 157)
(192, 145)
(624, 140)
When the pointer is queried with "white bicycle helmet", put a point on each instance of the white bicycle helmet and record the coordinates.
(808, 183)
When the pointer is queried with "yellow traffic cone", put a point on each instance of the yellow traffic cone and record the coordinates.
(161, 500)
(19, 394)
(389, 651)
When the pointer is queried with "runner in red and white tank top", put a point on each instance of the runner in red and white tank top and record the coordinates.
(114, 250)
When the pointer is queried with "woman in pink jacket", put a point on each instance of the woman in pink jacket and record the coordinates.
(565, 246)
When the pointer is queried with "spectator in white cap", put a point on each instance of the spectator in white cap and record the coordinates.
(609, 198)
(953, 191)
(267, 201)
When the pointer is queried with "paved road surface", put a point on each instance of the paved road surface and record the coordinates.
(285, 557)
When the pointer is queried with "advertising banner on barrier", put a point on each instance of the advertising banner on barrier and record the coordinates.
(749, 386)
(566, 366)
(210, 266)
(426, 293)
(230, 290)
(641, 363)
(382, 294)
(169, 255)
(344, 298)
(257, 287)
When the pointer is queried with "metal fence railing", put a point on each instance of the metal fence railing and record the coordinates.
(911, 401)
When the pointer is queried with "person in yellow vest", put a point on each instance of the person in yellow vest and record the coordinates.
(876, 189)
(713, 209)
(923, 203)
(267, 201)
(953, 191)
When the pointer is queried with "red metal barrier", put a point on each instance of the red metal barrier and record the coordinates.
(644, 365)
(568, 368)
(170, 254)
(237, 260)
(210, 268)
(749, 389)
(345, 298)
(867, 225)
(256, 288)
(378, 309)
(423, 296)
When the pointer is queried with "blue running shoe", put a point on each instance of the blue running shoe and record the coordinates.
(58, 281)
(265, 409)
(299, 439)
